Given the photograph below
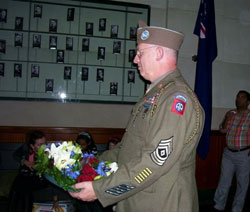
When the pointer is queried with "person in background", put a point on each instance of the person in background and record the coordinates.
(236, 155)
(156, 157)
(112, 142)
(87, 143)
(26, 182)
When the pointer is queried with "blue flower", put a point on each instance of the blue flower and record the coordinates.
(72, 154)
(101, 169)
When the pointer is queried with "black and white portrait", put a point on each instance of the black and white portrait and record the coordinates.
(131, 55)
(52, 42)
(113, 88)
(85, 44)
(89, 29)
(2, 69)
(70, 14)
(52, 25)
(3, 15)
(100, 75)
(49, 85)
(101, 53)
(37, 41)
(17, 70)
(67, 72)
(2, 46)
(85, 73)
(102, 24)
(69, 43)
(38, 11)
(18, 39)
(60, 56)
(114, 31)
(19, 23)
(117, 47)
(35, 70)
(132, 34)
(131, 76)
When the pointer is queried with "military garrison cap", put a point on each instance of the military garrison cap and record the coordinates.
(159, 36)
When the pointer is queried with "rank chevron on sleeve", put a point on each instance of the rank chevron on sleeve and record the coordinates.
(162, 151)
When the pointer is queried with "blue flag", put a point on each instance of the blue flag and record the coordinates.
(207, 52)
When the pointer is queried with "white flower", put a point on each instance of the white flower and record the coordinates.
(61, 154)
(114, 167)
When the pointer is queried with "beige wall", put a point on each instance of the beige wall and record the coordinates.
(20, 113)
(231, 70)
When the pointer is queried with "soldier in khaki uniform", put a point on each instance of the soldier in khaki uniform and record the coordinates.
(156, 157)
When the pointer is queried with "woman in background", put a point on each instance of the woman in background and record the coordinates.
(26, 182)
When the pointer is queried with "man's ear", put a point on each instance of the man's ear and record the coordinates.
(159, 53)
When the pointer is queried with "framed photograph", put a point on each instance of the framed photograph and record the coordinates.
(69, 43)
(2, 69)
(3, 46)
(131, 76)
(60, 56)
(49, 85)
(101, 53)
(85, 44)
(85, 73)
(18, 70)
(70, 14)
(132, 34)
(114, 31)
(131, 55)
(18, 39)
(52, 42)
(19, 23)
(52, 25)
(102, 24)
(113, 88)
(3, 15)
(38, 9)
(117, 47)
(36, 41)
(67, 72)
(100, 75)
(35, 70)
(89, 28)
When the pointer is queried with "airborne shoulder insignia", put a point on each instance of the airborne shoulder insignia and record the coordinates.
(179, 104)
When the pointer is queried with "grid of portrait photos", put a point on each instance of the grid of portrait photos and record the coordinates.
(51, 38)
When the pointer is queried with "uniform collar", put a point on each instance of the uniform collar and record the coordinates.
(165, 78)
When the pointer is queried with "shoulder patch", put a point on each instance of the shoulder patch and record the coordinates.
(179, 104)
(162, 151)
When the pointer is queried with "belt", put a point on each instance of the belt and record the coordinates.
(238, 150)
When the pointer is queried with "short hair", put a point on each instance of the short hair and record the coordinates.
(34, 135)
(246, 93)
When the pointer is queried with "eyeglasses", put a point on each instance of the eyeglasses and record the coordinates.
(139, 51)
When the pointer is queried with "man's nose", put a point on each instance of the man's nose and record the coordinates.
(136, 59)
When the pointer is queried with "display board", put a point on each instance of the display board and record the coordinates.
(71, 50)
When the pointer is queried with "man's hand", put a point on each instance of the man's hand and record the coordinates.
(229, 115)
(29, 164)
(87, 192)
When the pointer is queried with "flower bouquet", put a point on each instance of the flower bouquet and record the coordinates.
(64, 164)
